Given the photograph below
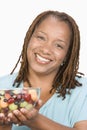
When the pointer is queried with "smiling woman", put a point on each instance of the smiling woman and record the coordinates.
(48, 46)
(50, 60)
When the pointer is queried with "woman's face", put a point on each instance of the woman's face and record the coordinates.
(48, 46)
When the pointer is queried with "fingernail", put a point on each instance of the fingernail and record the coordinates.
(8, 119)
(15, 112)
(23, 110)
(1, 115)
(10, 115)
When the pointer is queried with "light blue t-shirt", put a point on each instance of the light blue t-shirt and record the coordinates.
(67, 112)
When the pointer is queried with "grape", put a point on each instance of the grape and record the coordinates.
(23, 104)
(29, 106)
(13, 106)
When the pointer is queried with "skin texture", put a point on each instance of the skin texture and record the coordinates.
(46, 52)
(48, 47)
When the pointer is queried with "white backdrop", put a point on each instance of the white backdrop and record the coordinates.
(17, 15)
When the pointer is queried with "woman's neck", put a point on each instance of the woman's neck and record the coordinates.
(44, 82)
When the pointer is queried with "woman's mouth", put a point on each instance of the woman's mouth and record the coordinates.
(42, 60)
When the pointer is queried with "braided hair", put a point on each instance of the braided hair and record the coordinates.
(65, 78)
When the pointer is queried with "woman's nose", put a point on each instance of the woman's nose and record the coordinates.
(46, 48)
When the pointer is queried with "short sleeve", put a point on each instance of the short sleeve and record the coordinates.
(79, 104)
(6, 81)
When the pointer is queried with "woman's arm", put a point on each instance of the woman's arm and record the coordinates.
(36, 121)
(5, 127)
(43, 123)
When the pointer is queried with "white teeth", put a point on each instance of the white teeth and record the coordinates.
(42, 59)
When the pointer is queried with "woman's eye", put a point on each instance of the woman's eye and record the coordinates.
(41, 37)
(59, 46)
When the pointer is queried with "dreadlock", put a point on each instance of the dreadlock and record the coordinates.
(66, 76)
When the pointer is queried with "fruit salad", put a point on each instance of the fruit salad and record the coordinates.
(18, 98)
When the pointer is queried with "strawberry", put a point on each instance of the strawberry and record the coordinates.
(27, 97)
(11, 100)
(7, 95)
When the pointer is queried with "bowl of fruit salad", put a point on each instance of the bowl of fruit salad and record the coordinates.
(17, 98)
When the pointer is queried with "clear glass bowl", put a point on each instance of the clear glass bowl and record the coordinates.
(17, 98)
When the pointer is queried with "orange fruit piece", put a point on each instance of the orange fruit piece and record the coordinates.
(3, 104)
(33, 94)
(7, 95)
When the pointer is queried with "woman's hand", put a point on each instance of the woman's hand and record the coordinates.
(24, 116)
(5, 123)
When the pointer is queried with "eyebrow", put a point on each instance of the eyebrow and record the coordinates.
(41, 32)
(56, 40)
(61, 41)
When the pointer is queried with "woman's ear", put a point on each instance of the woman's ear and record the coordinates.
(63, 62)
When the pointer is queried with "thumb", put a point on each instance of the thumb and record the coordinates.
(39, 104)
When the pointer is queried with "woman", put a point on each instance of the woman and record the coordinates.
(50, 59)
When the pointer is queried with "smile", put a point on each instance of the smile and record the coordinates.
(41, 59)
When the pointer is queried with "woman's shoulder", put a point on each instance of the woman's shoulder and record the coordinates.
(80, 90)
(83, 81)
(7, 80)
(8, 77)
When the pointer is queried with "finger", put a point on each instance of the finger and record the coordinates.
(12, 118)
(7, 122)
(2, 119)
(19, 116)
(39, 104)
(29, 114)
(2, 116)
